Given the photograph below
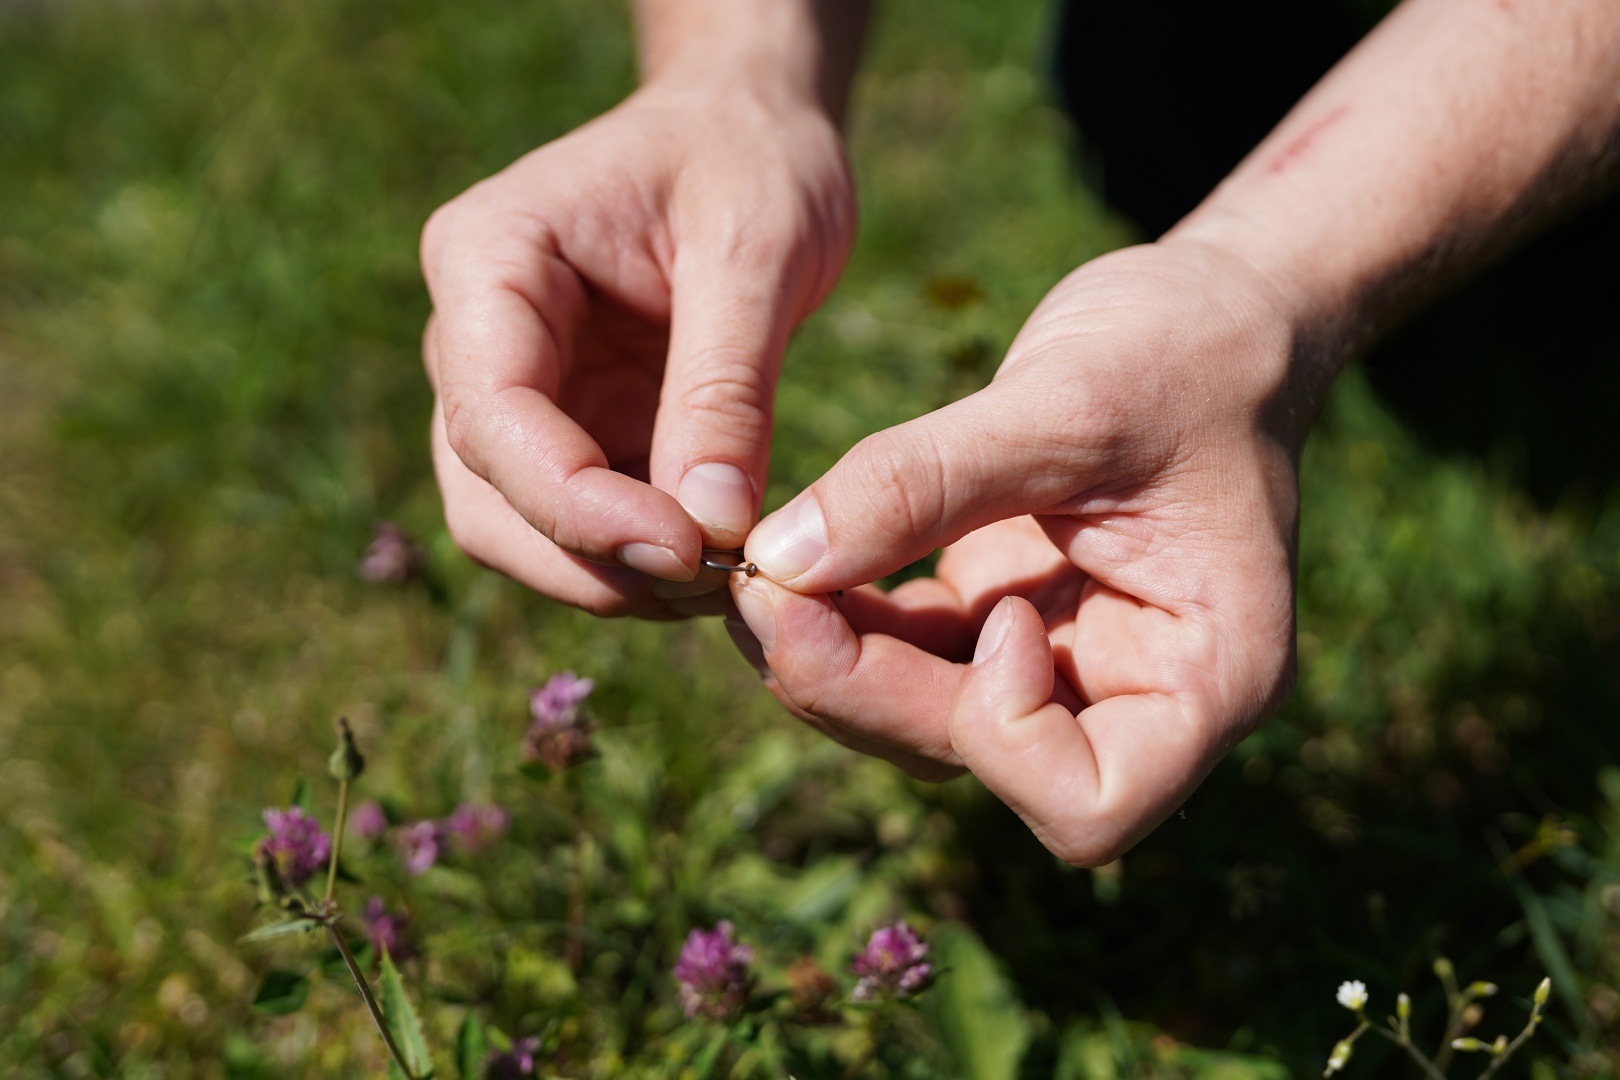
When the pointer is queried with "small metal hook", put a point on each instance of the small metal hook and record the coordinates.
(737, 567)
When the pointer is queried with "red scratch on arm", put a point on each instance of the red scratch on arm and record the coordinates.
(1302, 142)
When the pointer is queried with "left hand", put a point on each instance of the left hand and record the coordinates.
(1120, 506)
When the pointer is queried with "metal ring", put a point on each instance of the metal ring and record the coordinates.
(727, 567)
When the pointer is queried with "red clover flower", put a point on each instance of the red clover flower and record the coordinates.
(420, 844)
(891, 965)
(558, 736)
(712, 973)
(556, 704)
(392, 556)
(368, 821)
(296, 846)
(476, 827)
(514, 1063)
(386, 930)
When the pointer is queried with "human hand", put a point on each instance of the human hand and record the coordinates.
(1121, 504)
(609, 318)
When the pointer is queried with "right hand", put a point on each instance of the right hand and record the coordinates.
(1114, 609)
(610, 313)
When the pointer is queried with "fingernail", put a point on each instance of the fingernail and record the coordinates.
(748, 645)
(789, 542)
(658, 562)
(994, 632)
(756, 612)
(719, 496)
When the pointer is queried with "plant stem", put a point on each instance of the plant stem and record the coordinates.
(337, 838)
(1518, 1041)
(371, 1000)
(1424, 1063)
(576, 907)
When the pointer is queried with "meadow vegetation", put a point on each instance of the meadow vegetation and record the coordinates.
(209, 313)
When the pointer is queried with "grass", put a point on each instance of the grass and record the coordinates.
(208, 317)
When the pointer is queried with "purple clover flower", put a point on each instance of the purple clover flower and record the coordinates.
(476, 827)
(514, 1063)
(392, 555)
(558, 736)
(368, 821)
(387, 931)
(891, 965)
(296, 846)
(420, 844)
(556, 705)
(712, 973)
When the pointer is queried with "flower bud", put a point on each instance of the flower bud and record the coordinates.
(345, 762)
(1499, 1047)
(1403, 1008)
(1339, 1058)
(1468, 1044)
(1543, 991)
(1481, 989)
(1443, 969)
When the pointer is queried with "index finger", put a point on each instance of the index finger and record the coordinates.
(506, 311)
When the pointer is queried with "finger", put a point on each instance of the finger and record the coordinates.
(484, 525)
(1091, 785)
(731, 314)
(870, 685)
(903, 492)
(505, 313)
(749, 647)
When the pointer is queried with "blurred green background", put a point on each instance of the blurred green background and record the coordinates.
(209, 390)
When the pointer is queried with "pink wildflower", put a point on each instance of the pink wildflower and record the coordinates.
(712, 973)
(420, 844)
(387, 931)
(368, 821)
(392, 556)
(891, 965)
(296, 846)
(476, 827)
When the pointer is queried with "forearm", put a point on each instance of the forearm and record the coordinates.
(805, 48)
(1453, 128)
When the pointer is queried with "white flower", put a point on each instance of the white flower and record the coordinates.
(1353, 995)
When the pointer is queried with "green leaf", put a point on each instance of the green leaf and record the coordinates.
(403, 1022)
(1550, 947)
(972, 1008)
(280, 929)
(472, 1047)
(281, 992)
(302, 797)
(703, 1064)
(534, 770)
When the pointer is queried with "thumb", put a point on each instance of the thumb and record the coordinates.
(901, 493)
(729, 324)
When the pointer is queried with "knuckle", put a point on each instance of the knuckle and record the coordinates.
(460, 428)
(902, 482)
(729, 387)
(762, 239)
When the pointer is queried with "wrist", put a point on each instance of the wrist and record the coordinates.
(787, 54)
(1288, 338)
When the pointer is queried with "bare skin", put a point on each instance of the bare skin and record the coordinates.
(610, 311)
(1114, 609)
